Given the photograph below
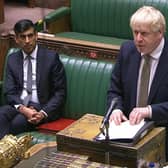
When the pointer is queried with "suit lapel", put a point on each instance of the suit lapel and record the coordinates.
(40, 64)
(161, 71)
(134, 71)
(19, 63)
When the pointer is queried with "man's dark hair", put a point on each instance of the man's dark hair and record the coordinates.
(23, 25)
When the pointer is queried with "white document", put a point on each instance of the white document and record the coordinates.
(123, 131)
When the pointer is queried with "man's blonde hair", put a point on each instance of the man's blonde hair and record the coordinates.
(149, 15)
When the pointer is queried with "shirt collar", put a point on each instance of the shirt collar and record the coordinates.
(33, 54)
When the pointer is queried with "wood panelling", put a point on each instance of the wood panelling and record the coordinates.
(51, 4)
(2, 17)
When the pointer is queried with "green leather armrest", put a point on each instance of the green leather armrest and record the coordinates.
(39, 137)
(52, 16)
(58, 13)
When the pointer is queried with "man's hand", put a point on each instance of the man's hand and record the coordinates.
(36, 118)
(26, 111)
(117, 116)
(32, 115)
(138, 114)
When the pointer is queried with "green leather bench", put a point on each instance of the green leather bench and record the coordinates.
(103, 21)
(87, 84)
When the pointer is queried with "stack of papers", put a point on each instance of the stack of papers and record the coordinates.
(125, 132)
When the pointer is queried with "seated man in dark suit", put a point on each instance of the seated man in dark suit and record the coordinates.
(35, 84)
(140, 77)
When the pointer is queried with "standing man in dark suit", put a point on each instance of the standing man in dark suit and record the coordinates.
(148, 27)
(43, 101)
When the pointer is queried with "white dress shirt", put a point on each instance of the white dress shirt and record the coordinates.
(155, 55)
(34, 97)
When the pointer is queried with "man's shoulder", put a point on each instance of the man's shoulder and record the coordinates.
(47, 54)
(128, 46)
(14, 54)
(46, 50)
(128, 43)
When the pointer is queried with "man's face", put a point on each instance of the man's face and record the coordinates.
(145, 40)
(27, 40)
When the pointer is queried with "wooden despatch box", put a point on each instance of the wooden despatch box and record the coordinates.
(79, 138)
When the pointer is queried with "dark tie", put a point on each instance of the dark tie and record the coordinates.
(144, 82)
(29, 81)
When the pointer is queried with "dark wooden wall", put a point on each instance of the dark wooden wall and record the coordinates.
(51, 4)
(2, 11)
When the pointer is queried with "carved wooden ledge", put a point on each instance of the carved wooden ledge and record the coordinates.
(63, 45)
(78, 47)
(75, 47)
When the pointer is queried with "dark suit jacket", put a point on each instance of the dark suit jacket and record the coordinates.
(50, 80)
(124, 82)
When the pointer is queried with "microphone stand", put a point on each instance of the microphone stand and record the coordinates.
(107, 130)
(105, 126)
(107, 153)
(105, 121)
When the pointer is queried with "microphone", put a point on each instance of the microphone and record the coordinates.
(105, 121)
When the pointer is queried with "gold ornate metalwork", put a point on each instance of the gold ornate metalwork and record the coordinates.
(13, 149)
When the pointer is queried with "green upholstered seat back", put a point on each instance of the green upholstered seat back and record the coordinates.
(10, 51)
(87, 84)
(108, 17)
